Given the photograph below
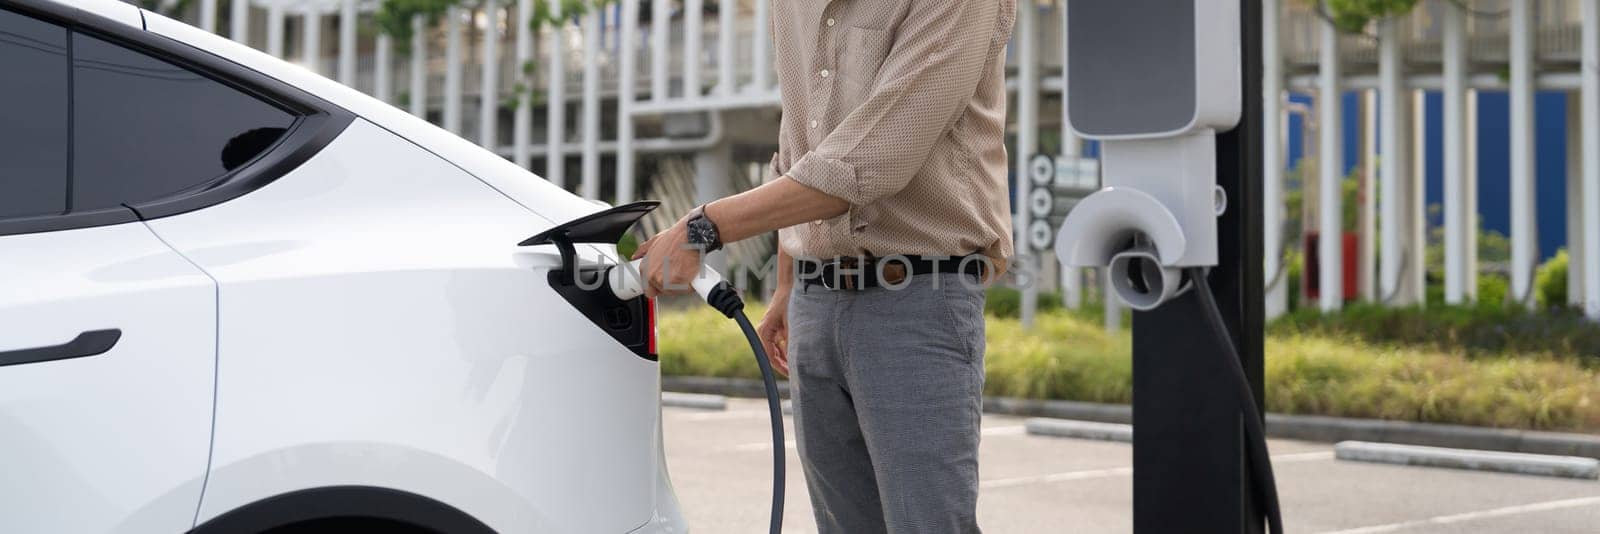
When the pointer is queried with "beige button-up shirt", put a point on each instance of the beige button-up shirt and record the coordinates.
(897, 106)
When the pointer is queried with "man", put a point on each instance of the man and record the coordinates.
(891, 190)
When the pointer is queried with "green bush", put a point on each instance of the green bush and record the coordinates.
(1069, 357)
(1007, 302)
(628, 245)
(1472, 330)
(1492, 289)
(1551, 281)
(1295, 262)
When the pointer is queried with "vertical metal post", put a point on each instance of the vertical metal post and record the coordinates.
(1416, 274)
(522, 121)
(555, 157)
(489, 83)
(275, 31)
(1391, 160)
(1027, 49)
(1470, 200)
(1392, 97)
(1591, 159)
(1455, 154)
(627, 85)
(382, 71)
(1071, 277)
(347, 43)
(590, 186)
(1189, 473)
(761, 71)
(311, 41)
(693, 39)
(419, 67)
(1110, 306)
(1575, 231)
(208, 15)
(239, 21)
(1524, 227)
(452, 69)
(1367, 200)
(726, 75)
(1272, 156)
(1330, 174)
(660, 30)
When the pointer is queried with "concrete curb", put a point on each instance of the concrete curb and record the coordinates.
(1503, 462)
(1065, 428)
(1302, 427)
(698, 401)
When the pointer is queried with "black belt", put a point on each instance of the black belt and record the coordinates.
(864, 273)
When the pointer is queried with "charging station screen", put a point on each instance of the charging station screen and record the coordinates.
(1130, 66)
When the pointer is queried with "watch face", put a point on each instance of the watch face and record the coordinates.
(701, 232)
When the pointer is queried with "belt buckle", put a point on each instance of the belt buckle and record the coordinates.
(831, 278)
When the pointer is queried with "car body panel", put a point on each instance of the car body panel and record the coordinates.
(115, 442)
(366, 319)
(116, 10)
(379, 326)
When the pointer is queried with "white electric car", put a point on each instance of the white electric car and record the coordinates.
(236, 296)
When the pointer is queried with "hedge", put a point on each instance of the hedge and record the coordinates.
(1073, 358)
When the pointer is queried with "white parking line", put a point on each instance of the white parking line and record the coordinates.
(1473, 516)
(1125, 471)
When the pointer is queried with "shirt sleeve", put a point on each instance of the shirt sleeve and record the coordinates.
(930, 75)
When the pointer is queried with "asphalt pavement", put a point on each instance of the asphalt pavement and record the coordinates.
(720, 463)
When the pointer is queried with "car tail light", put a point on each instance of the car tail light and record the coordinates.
(650, 324)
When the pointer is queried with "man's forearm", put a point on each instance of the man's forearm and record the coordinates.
(775, 205)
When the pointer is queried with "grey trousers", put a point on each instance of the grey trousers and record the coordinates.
(887, 388)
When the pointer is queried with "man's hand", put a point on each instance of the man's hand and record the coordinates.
(774, 331)
(669, 250)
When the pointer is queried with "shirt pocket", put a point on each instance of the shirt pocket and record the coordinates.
(863, 54)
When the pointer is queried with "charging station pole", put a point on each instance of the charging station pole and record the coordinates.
(1190, 472)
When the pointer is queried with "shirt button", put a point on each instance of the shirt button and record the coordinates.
(813, 124)
(830, 23)
(825, 73)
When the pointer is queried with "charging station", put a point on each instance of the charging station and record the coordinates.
(1172, 90)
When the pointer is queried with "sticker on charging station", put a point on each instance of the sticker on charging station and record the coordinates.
(1041, 202)
(1079, 174)
(1040, 235)
(1042, 169)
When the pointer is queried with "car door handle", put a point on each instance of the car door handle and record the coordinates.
(88, 343)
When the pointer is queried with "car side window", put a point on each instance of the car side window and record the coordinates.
(33, 117)
(144, 129)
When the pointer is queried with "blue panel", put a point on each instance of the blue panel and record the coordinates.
(1494, 161)
(1296, 131)
(1351, 131)
(1494, 149)
(1433, 154)
(1550, 164)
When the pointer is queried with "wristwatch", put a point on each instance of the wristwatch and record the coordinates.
(702, 231)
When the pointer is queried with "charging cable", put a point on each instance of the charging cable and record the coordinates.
(1263, 481)
(626, 284)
